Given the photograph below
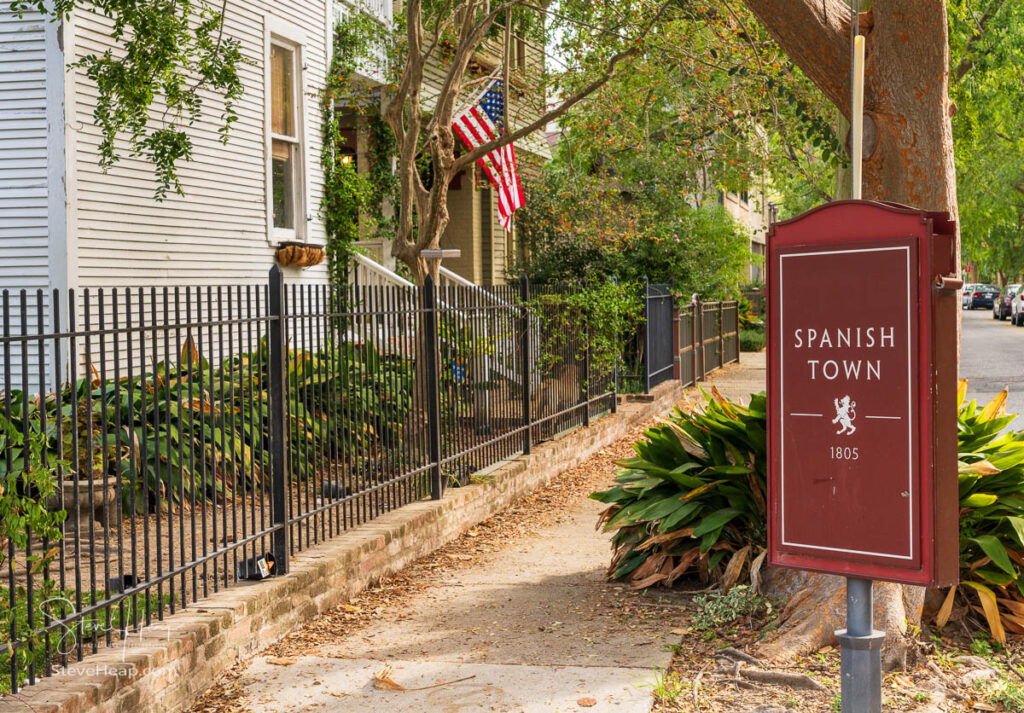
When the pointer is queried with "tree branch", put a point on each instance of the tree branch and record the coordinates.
(967, 62)
(815, 35)
(509, 137)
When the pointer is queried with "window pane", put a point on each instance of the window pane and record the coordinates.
(282, 88)
(283, 170)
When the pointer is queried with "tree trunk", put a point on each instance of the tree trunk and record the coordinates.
(908, 158)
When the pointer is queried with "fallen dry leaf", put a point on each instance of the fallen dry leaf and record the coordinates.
(586, 702)
(382, 680)
(281, 660)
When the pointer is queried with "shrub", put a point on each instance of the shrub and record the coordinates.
(991, 473)
(752, 340)
(192, 428)
(715, 609)
(693, 496)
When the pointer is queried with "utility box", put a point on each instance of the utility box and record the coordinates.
(862, 384)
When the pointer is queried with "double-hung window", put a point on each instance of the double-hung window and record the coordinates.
(286, 166)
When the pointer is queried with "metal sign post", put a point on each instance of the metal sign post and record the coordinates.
(860, 644)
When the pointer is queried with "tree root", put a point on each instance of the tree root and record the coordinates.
(817, 608)
(791, 680)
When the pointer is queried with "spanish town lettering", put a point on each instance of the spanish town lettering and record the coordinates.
(824, 343)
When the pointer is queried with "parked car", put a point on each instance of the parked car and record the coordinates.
(965, 297)
(981, 296)
(1003, 307)
(1017, 309)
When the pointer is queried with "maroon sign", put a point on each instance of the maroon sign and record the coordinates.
(862, 432)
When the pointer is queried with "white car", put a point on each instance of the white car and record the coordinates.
(1017, 309)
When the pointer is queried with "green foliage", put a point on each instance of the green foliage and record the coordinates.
(574, 231)
(748, 318)
(986, 52)
(668, 686)
(752, 340)
(716, 609)
(693, 496)
(150, 89)
(1007, 692)
(992, 512)
(709, 104)
(50, 604)
(596, 318)
(348, 195)
(192, 429)
(24, 491)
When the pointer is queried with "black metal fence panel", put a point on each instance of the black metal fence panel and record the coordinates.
(730, 332)
(161, 444)
(659, 335)
(135, 460)
(711, 330)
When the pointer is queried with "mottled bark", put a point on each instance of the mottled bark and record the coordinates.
(906, 87)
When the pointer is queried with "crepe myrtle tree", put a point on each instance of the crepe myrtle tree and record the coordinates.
(449, 35)
(150, 84)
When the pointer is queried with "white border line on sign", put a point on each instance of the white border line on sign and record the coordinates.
(910, 412)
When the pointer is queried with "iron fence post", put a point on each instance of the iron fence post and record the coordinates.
(693, 338)
(647, 335)
(524, 358)
(278, 444)
(431, 370)
(736, 322)
(585, 384)
(698, 307)
(615, 373)
(721, 333)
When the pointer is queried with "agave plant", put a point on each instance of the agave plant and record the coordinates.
(693, 498)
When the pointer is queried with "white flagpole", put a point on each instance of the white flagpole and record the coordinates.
(857, 119)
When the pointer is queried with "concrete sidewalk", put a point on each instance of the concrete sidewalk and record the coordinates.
(531, 626)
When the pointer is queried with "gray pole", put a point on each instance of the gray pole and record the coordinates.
(860, 644)
(861, 647)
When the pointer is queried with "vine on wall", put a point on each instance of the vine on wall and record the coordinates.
(349, 197)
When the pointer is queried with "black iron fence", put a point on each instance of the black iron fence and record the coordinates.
(659, 335)
(157, 445)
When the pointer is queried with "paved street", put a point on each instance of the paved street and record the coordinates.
(992, 357)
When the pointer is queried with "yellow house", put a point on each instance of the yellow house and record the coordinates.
(486, 248)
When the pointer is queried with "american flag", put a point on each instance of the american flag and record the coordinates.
(483, 121)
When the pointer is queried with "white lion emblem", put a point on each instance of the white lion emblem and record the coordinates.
(845, 414)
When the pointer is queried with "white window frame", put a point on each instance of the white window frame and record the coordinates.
(289, 37)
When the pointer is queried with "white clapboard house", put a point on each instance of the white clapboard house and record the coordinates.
(66, 223)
